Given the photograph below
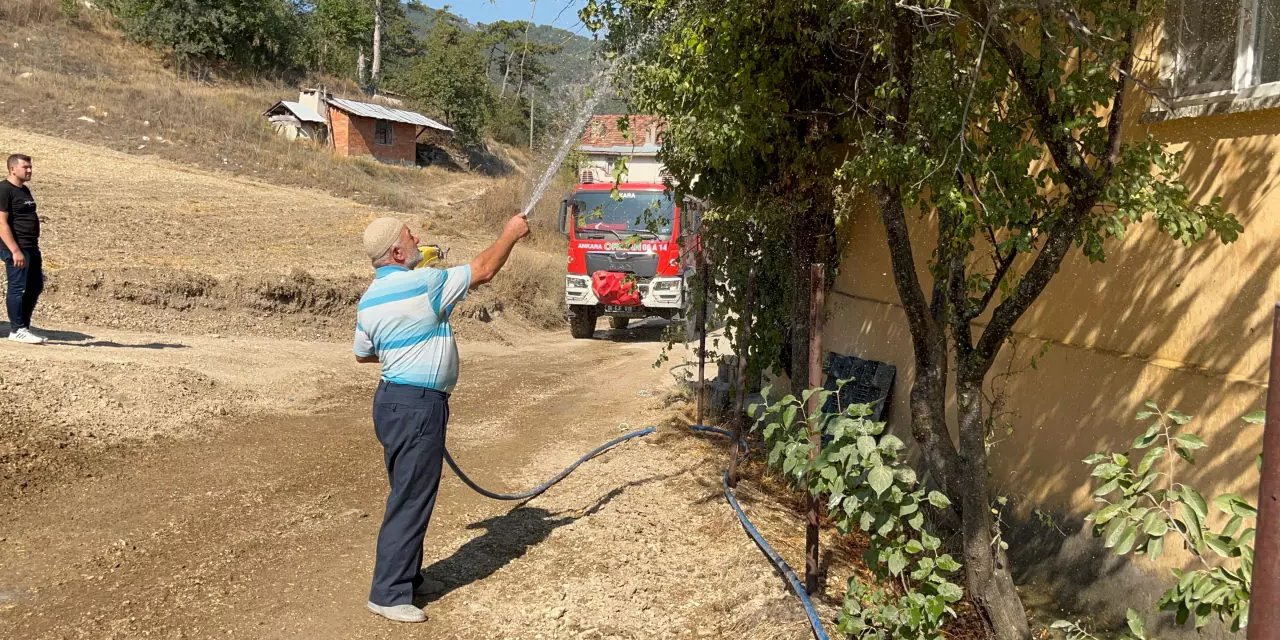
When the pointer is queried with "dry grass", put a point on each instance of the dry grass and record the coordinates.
(23, 13)
(138, 106)
(532, 283)
(494, 206)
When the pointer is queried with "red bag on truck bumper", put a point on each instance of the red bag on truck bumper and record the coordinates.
(614, 288)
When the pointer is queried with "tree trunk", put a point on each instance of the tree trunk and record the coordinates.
(360, 67)
(928, 341)
(986, 565)
(524, 53)
(506, 73)
(376, 74)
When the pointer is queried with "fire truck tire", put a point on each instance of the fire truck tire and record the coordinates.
(619, 323)
(582, 322)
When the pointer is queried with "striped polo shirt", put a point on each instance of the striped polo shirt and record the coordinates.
(403, 318)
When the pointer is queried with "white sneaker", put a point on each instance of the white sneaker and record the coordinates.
(399, 613)
(25, 337)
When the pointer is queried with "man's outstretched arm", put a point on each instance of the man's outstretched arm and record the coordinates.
(490, 261)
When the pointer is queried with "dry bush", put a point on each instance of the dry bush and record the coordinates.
(532, 287)
(532, 284)
(509, 196)
(21, 13)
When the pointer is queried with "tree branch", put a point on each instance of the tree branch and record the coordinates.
(1116, 118)
(1057, 139)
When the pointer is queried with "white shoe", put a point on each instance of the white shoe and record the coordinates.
(399, 613)
(25, 337)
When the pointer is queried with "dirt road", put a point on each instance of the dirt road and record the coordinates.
(264, 528)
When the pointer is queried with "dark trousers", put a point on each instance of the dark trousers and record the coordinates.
(410, 423)
(25, 285)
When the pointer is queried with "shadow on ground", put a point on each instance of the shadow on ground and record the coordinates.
(1064, 572)
(77, 339)
(508, 537)
(645, 330)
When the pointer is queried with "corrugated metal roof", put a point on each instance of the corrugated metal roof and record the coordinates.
(299, 111)
(379, 112)
(304, 113)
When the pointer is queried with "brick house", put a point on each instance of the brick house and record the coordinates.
(366, 129)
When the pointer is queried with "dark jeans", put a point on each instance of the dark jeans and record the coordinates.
(25, 285)
(410, 423)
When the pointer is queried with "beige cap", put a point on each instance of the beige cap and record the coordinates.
(381, 235)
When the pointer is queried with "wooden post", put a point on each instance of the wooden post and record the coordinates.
(744, 345)
(817, 285)
(702, 341)
(1264, 608)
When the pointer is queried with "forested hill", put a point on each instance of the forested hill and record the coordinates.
(565, 59)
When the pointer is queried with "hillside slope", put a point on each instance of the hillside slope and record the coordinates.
(92, 86)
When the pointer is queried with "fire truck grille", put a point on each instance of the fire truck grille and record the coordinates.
(643, 265)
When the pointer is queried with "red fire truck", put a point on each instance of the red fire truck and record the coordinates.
(631, 253)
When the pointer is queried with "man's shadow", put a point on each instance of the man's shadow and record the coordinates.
(508, 537)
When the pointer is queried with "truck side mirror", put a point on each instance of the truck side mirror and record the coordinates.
(564, 217)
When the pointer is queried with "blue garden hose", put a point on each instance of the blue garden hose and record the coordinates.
(819, 633)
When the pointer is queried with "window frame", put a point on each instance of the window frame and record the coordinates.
(377, 132)
(1244, 83)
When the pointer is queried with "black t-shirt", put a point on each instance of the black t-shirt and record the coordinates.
(21, 207)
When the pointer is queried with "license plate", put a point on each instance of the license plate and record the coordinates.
(619, 309)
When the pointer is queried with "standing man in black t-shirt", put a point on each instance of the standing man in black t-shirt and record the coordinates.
(20, 249)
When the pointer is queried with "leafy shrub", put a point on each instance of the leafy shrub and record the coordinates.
(866, 488)
(1143, 504)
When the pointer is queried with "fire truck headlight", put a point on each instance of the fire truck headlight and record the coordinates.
(572, 282)
(665, 285)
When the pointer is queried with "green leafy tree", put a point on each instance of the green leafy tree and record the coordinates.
(1001, 124)
(336, 32)
(450, 79)
(520, 67)
(201, 34)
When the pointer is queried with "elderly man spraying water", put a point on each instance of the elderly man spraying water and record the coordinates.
(402, 321)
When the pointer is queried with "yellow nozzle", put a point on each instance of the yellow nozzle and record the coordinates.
(431, 253)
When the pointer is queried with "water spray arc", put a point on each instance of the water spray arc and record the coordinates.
(592, 92)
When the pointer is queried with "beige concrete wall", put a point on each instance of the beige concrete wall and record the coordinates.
(639, 168)
(1188, 328)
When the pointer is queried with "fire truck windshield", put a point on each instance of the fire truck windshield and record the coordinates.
(646, 214)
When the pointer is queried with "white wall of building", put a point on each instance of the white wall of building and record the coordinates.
(639, 168)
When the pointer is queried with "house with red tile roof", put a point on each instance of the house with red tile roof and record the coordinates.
(606, 139)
